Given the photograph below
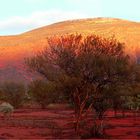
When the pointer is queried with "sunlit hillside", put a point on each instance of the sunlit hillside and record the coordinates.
(13, 49)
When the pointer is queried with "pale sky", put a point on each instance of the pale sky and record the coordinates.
(17, 16)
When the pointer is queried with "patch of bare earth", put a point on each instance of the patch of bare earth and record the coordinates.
(58, 123)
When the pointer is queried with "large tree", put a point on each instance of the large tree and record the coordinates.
(83, 66)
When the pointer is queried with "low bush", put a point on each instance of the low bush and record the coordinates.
(13, 93)
(42, 92)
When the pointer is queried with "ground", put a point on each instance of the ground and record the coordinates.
(57, 123)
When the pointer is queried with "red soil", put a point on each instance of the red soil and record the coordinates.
(57, 123)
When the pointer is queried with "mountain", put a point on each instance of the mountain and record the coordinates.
(13, 49)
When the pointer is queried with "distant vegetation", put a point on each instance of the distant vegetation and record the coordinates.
(90, 72)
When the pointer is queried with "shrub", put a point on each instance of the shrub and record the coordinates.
(42, 92)
(14, 93)
(7, 109)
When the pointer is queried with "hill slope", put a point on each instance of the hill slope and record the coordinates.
(13, 49)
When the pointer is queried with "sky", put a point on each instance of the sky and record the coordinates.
(18, 16)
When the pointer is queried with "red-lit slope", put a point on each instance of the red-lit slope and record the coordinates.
(13, 49)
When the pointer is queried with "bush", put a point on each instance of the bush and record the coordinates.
(42, 92)
(14, 93)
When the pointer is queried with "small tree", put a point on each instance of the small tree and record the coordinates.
(84, 66)
(42, 92)
(14, 93)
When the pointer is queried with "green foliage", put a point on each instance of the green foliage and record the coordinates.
(14, 93)
(43, 92)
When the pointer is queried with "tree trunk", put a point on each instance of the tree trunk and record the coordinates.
(77, 122)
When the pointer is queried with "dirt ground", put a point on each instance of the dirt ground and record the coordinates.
(57, 123)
